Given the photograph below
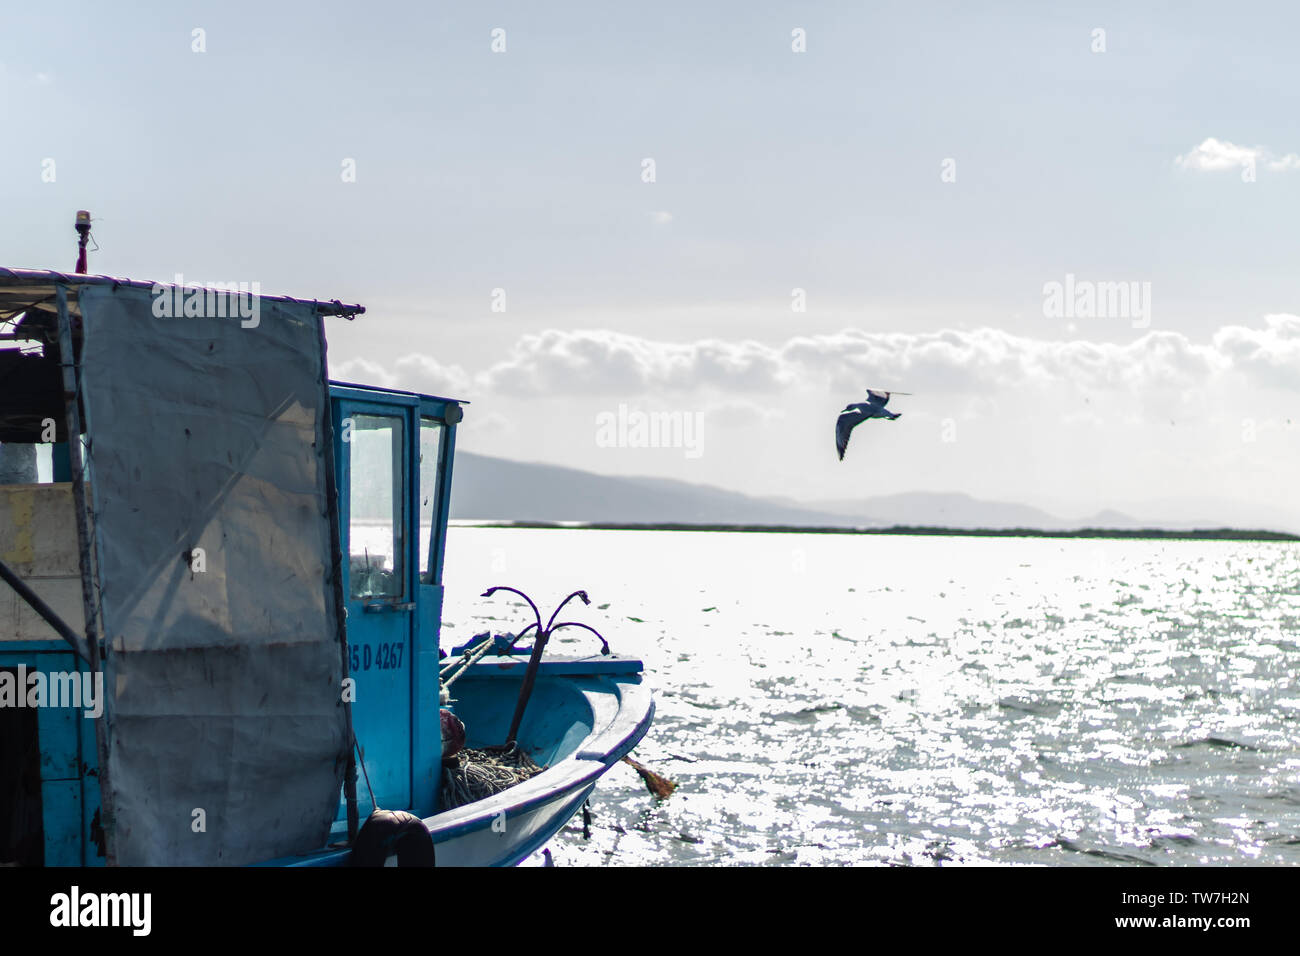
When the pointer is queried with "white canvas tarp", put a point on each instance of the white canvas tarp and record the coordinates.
(227, 732)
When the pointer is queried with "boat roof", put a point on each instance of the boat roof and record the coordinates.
(25, 290)
(398, 391)
(28, 296)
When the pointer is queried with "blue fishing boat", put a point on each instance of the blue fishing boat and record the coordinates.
(220, 622)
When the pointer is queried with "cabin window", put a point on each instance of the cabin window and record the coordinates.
(375, 545)
(430, 492)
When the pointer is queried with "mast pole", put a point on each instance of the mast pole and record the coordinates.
(340, 607)
(71, 398)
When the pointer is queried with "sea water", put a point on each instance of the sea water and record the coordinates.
(926, 700)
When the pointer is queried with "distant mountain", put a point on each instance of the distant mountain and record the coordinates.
(955, 510)
(498, 489)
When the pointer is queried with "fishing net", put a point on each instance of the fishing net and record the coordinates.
(481, 773)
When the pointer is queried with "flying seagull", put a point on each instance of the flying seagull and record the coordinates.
(853, 415)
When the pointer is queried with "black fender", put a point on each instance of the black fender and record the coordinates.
(392, 832)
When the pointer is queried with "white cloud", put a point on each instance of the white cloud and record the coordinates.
(1094, 422)
(414, 372)
(362, 371)
(661, 218)
(978, 362)
(420, 373)
(604, 362)
(1270, 356)
(1214, 155)
(730, 413)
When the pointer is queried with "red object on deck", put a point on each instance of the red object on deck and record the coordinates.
(453, 734)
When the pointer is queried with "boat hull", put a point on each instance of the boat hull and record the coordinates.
(584, 723)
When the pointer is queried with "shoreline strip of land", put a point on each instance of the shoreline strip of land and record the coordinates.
(1195, 534)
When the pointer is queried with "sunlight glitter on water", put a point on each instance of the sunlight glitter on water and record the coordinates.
(893, 699)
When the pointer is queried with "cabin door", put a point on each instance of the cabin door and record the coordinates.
(374, 443)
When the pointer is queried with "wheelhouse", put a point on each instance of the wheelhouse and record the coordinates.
(393, 464)
(388, 455)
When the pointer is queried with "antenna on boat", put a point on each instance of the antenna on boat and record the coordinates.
(83, 233)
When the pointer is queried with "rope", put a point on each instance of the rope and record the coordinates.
(97, 612)
(465, 662)
(361, 760)
(478, 774)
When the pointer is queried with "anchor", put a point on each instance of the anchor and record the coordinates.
(539, 645)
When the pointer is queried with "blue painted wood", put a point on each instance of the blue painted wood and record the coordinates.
(426, 730)
(426, 725)
(61, 462)
(88, 765)
(61, 809)
(512, 667)
(398, 728)
(393, 396)
(381, 710)
(58, 731)
(444, 504)
(366, 393)
(557, 721)
(19, 650)
(57, 727)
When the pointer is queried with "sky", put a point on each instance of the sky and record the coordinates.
(1067, 230)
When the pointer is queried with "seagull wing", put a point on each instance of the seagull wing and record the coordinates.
(844, 425)
(877, 399)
